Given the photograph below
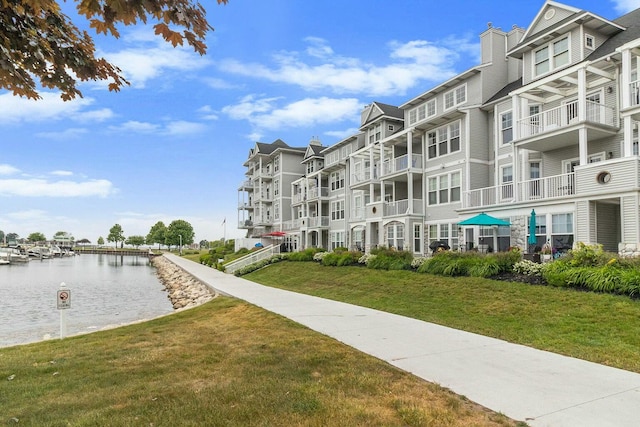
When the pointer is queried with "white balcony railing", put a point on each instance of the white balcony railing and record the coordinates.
(291, 225)
(318, 221)
(563, 116)
(401, 207)
(357, 214)
(400, 164)
(297, 198)
(315, 192)
(551, 187)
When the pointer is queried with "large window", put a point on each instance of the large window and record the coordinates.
(375, 133)
(507, 182)
(428, 109)
(337, 210)
(444, 140)
(444, 188)
(337, 240)
(276, 187)
(455, 97)
(552, 56)
(336, 180)
(446, 233)
(506, 127)
(562, 231)
(395, 235)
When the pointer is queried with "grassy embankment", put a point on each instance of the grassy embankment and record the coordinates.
(597, 327)
(225, 363)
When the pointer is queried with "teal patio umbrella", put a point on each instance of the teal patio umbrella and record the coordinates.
(532, 229)
(483, 220)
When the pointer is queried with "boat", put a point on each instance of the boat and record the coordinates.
(41, 252)
(13, 255)
(4, 261)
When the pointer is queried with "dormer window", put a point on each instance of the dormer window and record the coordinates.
(551, 57)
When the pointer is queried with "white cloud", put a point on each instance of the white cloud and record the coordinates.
(95, 115)
(182, 127)
(308, 112)
(62, 173)
(146, 61)
(8, 169)
(341, 134)
(65, 135)
(63, 188)
(135, 127)
(624, 6)
(411, 63)
(14, 109)
(207, 113)
(249, 106)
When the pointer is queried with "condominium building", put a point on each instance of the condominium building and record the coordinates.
(547, 122)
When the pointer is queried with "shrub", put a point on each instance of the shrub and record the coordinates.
(489, 267)
(584, 255)
(366, 258)
(306, 255)
(340, 258)
(386, 259)
(556, 273)
(528, 268)
(505, 260)
(319, 256)
(417, 262)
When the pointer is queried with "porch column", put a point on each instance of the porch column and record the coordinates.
(410, 173)
(627, 143)
(515, 164)
(516, 116)
(582, 115)
(625, 79)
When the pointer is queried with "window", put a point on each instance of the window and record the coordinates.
(337, 240)
(541, 230)
(562, 232)
(310, 166)
(455, 97)
(336, 180)
(358, 239)
(589, 42)
(507, 182)
(276, 164)
(417, 238)
(395, 235)
(276, 211)
(422, 112)
(552, 56)
(431, 108)
(444, 232)
(390, 128)
(506, 127)
(444, 189)
(375, 133)
(276, 188)
(443, 140)
(337, 210)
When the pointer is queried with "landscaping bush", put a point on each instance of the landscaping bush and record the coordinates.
(447, 263)
(306, 255)
(387, 259)
(341, 258)
(528, 268)
(583, 255)
(505, 260)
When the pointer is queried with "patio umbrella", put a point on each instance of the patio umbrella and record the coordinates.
(532, 229)
(482, 220)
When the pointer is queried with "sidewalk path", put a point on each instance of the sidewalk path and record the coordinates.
(538, 387)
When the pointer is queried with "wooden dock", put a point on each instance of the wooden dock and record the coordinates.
(116, 252)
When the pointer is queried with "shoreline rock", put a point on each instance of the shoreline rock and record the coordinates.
(183, 290)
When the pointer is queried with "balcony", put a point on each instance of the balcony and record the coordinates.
(245, 205)
(557, 127)
(362, 178)
(552, 187)
(318, 221)
(246, 185)
(401, 207)
(401, 164)
(246, 224)
(266, 220)
(316, 192)
(291, 225)
(357, 214)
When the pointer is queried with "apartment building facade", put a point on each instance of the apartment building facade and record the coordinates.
(548, 121)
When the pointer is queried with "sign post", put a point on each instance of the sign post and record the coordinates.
(63, 301)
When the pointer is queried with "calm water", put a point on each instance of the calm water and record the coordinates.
(106, 290)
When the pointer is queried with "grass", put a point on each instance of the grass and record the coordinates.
(226, 363)
(600, 328)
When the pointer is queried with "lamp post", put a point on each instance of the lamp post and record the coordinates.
(180, 235)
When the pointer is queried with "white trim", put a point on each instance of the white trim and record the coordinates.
(455, 100)
(588, 37)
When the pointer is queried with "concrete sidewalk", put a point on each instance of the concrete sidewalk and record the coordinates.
(538, 387)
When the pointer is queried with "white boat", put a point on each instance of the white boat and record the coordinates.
(13, 255)
(4, 261)
(39, 252)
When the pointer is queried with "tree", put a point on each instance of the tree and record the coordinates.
(12, 238)
(135, 241)
(84, 241)
(177, 232)
(100, 240)
(156, 234)
(115, 234)
(204, 244)
(2, 236)
(38, 41)
(36, 237)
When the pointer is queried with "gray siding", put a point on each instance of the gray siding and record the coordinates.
(608, 226)
(630, 214)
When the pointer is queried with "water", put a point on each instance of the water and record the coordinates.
(106, 290)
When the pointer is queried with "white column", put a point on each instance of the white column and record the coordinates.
(410, 174)
(627, 143)
(625, 79)
(516, 171)
(582, 115)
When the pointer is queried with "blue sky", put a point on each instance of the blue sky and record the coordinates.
(171, 146)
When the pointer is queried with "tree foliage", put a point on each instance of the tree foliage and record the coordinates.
(116, 234)
(179, 230)
(100, 240)
(38, 41)
(156, 234)
(36, 237)
(135, 241)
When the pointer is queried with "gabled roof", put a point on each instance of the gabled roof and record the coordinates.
(535, 37)
(314, 150)
(631, 22)
(385, 110)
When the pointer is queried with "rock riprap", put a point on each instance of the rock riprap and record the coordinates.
(183, 289)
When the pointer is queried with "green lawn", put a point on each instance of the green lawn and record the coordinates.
(226, 363)
(596, 327)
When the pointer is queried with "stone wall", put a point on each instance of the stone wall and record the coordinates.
(183, 289)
